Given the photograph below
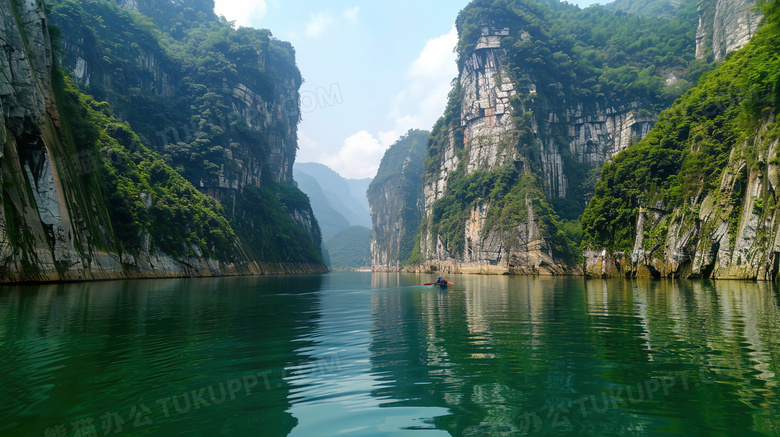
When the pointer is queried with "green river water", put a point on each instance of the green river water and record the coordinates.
(358, 354)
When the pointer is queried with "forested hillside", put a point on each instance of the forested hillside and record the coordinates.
(397, 203)
(87, 193)
(341, 208)
(546, 94)
(350, 249)
(697, 197)
(648, 8)
(220, 105)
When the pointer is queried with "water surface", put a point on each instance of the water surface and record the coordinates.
(373, 355)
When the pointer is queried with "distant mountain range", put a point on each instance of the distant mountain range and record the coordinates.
(338, 202)
(350, 249)
(341, 208)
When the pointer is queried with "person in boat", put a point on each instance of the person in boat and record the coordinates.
(441, 281)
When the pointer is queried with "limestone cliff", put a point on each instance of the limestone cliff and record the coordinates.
(514, 116)
(57, 221)
(396, 202)
(711, 209)
(485, 141)
(725, 26)
(151, 74)
(729, 232)
(530, 123)
(224, 113)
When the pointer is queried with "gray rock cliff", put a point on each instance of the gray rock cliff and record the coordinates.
(506, 117)
(725, 26)
(396, 199)
(586, 132)
(54, 224)
(251, 129)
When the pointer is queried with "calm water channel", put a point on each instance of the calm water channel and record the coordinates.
(369, 355)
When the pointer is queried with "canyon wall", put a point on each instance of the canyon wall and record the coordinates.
(711, 211)
(526, 133)
(725, 26)
(56, 220)
(395, 196)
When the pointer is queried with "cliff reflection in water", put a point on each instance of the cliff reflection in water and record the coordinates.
(375, 355)
(574, 357)
(79, 351)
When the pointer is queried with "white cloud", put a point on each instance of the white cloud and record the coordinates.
(437, 56)
(418, 106)
(351, 14)
(319, 23)
(243, 12)
(359, 158)
(424, 99)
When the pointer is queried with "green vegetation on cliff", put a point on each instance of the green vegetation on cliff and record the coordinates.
(186, 153)
(172, 84)
(684, 158)
(144, 195)
(350, 249)
(648, 8)
(407, 154)
(595, 53)
(262, 218)
(508, 191)
(554, 54)
(395, 195)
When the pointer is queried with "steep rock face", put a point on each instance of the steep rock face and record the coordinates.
(54, 220)
(24, 101)
(227, 125)
(730, 233)
(486, 113)
(396, 202)
(712, 209)
(522, 141)
(589, 132)
(151, 74)
(276, 120)
(24, 110)
(725, 26)
(584, 133)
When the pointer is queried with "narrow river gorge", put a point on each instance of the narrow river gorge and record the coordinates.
(370, 355)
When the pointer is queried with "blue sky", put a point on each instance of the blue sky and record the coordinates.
(372, 70)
